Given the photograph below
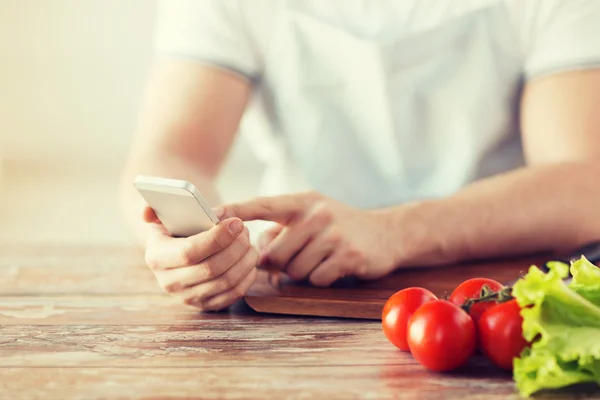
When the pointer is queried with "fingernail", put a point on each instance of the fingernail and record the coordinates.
(235, 227)
(219, 212)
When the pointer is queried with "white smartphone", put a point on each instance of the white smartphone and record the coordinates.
(177, 204)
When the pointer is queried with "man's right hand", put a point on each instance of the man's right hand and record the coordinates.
(210, 270)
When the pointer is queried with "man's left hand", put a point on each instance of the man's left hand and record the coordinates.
(318, 238)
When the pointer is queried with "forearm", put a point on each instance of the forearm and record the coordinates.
(187, 124)
(163, 165)
(544, 208)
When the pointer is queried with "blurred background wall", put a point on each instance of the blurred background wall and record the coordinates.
(72, 74)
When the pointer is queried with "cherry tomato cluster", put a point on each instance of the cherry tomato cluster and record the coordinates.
(443, 334)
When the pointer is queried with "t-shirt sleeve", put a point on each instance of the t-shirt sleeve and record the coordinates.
(213, 32)
(564, 35)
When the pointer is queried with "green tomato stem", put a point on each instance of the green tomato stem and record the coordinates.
(488, 295)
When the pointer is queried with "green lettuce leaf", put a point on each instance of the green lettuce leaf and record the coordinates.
(585, 273)
(565, 325)
(586, 280)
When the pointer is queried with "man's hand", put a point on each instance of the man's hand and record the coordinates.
(319, 238)
(209, 271)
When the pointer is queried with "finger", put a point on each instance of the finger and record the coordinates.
(177, 279)
(316, 221)
(288, 243)
(227, 281)
(166, 252)
(157, 231)
(157, 234)
(328, 272)
(224, 300)
(281, 209)
(311, 256)
(149, 215)
(267, 237)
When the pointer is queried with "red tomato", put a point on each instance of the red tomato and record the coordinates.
(470, 289)
(441, 335)
(501, 334)
(397, 311)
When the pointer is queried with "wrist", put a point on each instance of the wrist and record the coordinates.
(413, 235)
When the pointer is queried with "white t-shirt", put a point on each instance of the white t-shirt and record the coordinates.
(377, 102)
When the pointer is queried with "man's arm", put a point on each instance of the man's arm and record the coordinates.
(552, 204)
(187, 125)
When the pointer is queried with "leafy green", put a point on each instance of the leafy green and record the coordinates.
(563, 324)
(586, 280)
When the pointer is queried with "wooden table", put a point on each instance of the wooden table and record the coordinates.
(90, 322)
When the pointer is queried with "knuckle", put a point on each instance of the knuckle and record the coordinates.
(243, 241)
(210, 269)
(360, 270)
(238, 292)
(265, 202)
(245, 238)
(354, 255)
(362, 265)
(312, 195)
(354, 262)
(274, 230)
(186, 253)
(232, 209)
(229, 280)
(151, 261)
(263, 241)
(321, 214)
(333, 238)
(220, 238)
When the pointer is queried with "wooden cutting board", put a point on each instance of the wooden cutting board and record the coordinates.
(365, 300)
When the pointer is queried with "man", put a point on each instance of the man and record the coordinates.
(428, 132)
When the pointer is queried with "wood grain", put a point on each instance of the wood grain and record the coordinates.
(74, 270)
(235, 382)
(281, 342)
(121, 270)
(90, 322)
(158, 309)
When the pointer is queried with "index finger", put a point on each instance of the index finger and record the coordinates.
(280, 209)
(149, 215)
